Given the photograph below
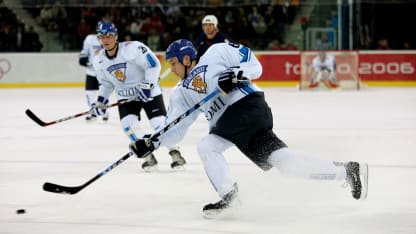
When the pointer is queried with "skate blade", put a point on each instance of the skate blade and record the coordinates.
(220, 214)
(229, 212)
(91, 120)
(364, 180)
(151, 169)
(179, 168)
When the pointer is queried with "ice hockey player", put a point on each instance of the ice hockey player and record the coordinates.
(90, 48)
(240, 117)
(132, 70)
(324, 71)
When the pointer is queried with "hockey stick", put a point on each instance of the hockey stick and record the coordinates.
(165, 74)
(35, 118)
(56, 188)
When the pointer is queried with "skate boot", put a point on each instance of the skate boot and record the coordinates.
(150, 163)
(90, 117)
(178, 162)
(105, 117)
(357, 178)
(230, 199)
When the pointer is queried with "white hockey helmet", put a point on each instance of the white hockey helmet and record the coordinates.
(210, 19)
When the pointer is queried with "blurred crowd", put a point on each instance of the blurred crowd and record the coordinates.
(15, 36)
(260, 26)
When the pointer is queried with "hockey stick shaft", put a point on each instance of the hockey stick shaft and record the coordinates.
(42, 123)
(56, 188)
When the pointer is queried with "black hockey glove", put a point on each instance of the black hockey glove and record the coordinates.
(228, 80)
(143, 147)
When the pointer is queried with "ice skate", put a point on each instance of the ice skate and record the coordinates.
(178, 162)
(150, 163)
(91, 117)
(223, 206)
(357, 178)
(105, 117)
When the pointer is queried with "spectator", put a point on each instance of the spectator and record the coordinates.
(275, 45)
(153, 40)
(290, 46)
(31, 40)
(83, 30)
(323, 43)
(383, 44)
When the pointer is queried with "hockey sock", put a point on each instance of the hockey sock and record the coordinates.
(91, 95)
(294, 165)
(131, 126)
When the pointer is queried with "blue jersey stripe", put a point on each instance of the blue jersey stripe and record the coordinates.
(151, 60)
(246, 90)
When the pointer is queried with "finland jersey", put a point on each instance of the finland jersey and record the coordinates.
(90, 48)
(328, 63)
(203, 80)
(133, 64)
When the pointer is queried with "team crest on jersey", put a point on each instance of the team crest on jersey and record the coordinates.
(196, 80)
(118, 71)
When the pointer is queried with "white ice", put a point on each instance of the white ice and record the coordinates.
(375, 125)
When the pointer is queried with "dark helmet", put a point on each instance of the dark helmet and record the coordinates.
(105, 28)
(179, 49)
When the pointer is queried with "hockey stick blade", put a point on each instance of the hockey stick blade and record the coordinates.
(56, 188)
(32, 116)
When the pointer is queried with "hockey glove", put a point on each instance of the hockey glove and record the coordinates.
(228, 80)
(99, 107)
(145, 92)
(143, 147)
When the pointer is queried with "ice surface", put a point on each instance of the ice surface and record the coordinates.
(377, 126)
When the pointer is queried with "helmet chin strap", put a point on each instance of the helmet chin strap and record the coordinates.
(115, 45)
(114, 48)
(186, 69)
(186, 72)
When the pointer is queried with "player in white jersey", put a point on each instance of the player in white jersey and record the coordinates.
(240, 117)
(324, 71)
(90, 48)
(131, 70)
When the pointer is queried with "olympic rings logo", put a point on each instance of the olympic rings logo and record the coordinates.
(5, 67)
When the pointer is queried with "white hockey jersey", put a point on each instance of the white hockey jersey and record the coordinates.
(90, 48)
(327, 64)
(133, 64)
(203, 80)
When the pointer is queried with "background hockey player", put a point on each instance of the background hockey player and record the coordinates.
(132, 70)
(324, 71)
(240, 118)
(210, 35)
(90, 48)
